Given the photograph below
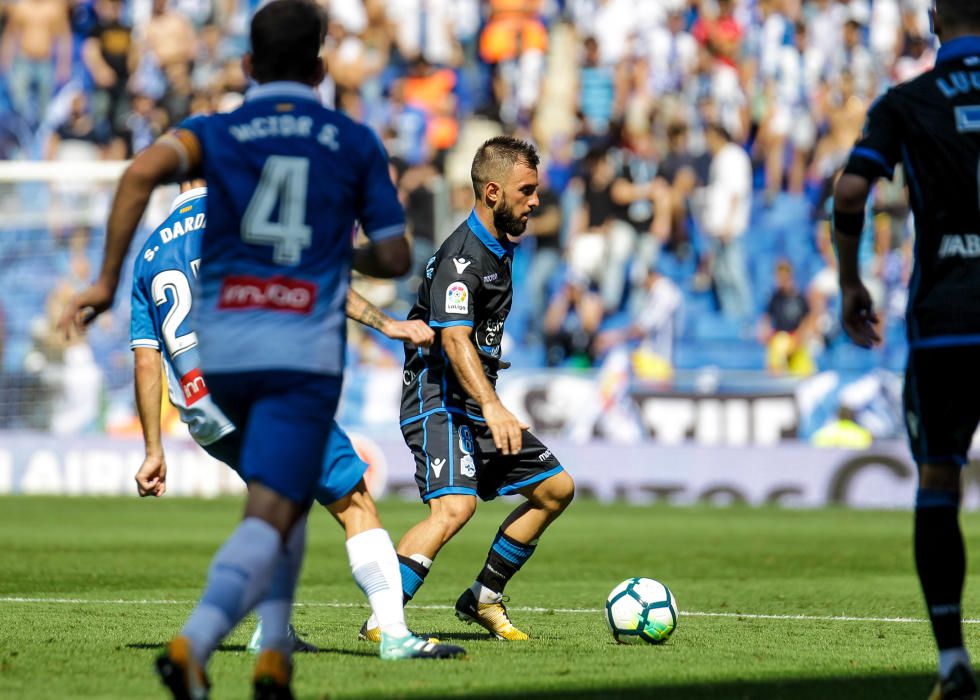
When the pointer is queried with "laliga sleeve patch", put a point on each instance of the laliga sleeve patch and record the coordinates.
(457, 299)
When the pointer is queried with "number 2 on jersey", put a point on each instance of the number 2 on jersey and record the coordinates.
(174, 282)
(284, 181)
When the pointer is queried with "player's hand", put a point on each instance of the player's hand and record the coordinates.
(858, 315)
(84, 307)
(151, 479)
(504, 427)
(415, 332)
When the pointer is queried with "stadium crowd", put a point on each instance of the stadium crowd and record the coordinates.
(689, 150)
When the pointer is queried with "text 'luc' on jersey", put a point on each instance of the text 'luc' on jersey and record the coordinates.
(287, 180)
(931, 125)
(467, 283)
(163, 283)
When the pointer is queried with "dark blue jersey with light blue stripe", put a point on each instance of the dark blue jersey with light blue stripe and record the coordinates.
(287, 180)
(467, 283)
(931, 125)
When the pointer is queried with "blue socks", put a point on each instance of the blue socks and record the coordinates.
(506, 557)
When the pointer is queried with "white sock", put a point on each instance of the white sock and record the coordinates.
(239, 576)
(949, 658)
(484, 594)
(372, 622)
(375, 567)
(276, 607)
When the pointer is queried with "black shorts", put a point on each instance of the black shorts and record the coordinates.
(942, 403)
(455, 454)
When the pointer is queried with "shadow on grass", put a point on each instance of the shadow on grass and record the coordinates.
(241, 648)
(895, 687)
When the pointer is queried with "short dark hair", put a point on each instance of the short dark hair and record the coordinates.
(497, 157)
(962, 13)
(286, 38)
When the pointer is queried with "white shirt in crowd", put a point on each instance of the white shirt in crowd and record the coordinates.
(728, 196)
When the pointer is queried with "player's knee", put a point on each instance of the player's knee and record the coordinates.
(452, 512)
(941, 477)
(555, 493)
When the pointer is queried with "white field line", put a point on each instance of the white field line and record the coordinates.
(564, 611)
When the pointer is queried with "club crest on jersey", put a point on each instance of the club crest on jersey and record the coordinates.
(465, 440)
(467, 467)
(457, 299)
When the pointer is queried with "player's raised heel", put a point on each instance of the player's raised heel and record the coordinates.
(412, 647)
(271, 678)
(961, 684)
(372, 634)
(180, 673)
(490, 616)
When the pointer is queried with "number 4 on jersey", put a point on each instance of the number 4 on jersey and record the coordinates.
(284, 181)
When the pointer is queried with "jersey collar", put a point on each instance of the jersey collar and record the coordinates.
(958, 48)
(486, 238)
(188, 196)
(279, 89)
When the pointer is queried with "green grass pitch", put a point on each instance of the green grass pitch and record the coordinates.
(758, 591)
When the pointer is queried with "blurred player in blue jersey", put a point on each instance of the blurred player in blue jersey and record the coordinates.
(161, 330)
(931, 125)
(287, 179)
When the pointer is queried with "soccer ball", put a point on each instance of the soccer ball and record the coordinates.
(641, 610)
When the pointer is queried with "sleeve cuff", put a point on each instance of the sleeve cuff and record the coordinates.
(449, 324)
(381, 234)
(144, 343)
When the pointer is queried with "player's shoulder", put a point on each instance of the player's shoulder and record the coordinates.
(462, 244)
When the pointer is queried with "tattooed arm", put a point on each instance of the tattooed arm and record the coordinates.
(414, 332)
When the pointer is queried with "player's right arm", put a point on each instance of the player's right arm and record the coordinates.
(504, 425)
(874, 155)
(173, 156)
(452, 312)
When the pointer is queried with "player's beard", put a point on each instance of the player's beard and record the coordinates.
(505, 221)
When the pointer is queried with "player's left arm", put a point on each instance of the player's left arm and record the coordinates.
(172, 157)
(389, 253)
(874, 155)
(151, 479)
(361, 310)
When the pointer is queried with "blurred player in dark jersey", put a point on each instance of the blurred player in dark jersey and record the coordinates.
(931, 125)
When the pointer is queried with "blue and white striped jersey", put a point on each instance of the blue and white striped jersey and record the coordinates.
(163, 297)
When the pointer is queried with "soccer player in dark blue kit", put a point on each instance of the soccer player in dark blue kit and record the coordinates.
(931, 125)
(287, 180)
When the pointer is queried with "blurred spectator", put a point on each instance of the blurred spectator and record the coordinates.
(655, 320)
(596, 89)
(109, 57)
(602, 241)
(725, 218)
(430, 89)
(80, 136)
(679, 170)
(35, 54)
(545, 228)
(843, 433)
(785, 325)
(571, 323)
